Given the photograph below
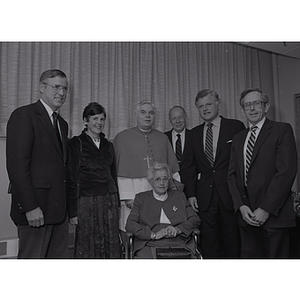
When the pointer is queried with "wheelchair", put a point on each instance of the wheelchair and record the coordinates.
(166, 252)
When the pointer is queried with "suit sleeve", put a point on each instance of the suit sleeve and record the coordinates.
(192, 222)
(237, 197)
(286, 166)
(190, 173)
(74, 167)
(19, 143)
(134, 225)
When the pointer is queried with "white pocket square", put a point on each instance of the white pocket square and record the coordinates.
(230, 141)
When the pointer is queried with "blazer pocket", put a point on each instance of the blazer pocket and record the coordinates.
(41, 183)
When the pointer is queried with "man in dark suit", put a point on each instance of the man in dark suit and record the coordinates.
(179, 137)
(262, 169)
(210, 145)
(36, 150)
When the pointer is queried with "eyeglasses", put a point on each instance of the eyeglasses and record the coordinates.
(158, 179)
(57, 87)
(255, 104)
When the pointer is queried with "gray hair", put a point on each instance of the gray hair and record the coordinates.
(157, 166)
(145, 102)
(264, 97)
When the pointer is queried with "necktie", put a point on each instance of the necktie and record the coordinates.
(178, 148)
(209, 144)
(55, 125)
(249, 149)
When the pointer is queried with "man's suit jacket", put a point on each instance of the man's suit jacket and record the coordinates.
(271, 174)
(211, 177)
(183, 164)
(36, 164)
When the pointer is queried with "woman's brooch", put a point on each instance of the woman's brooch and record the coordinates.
(175, 208)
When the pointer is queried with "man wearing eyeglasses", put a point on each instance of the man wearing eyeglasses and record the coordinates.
(36, 164)
(262, 169)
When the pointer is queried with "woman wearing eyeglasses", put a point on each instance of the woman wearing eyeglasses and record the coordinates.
(161, 217)
(94, 199)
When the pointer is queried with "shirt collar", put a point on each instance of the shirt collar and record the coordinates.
(174, 133)
(259, 124)
(160, 197)
(48, 108)
(216, 121)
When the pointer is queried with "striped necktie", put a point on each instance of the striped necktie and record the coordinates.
(209, 144)
(178, 148)
(249, 149)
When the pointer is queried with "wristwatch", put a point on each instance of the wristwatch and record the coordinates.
(153, 236)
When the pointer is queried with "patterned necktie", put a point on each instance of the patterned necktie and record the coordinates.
(178, 148)
(209, 144)
(249, 149)
(55, 125)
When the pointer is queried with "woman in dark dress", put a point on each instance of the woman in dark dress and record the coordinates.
(94, 199)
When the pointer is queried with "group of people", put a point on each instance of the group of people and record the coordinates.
(236, 181)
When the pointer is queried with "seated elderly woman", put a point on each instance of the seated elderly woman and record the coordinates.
(161, 217)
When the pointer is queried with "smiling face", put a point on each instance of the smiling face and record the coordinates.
(54, 98)
(160, 181)
(95, 125)
(208, 108)
(145, 116)
(253, 113)
(177, 119)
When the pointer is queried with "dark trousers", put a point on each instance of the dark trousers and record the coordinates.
(219, 230)
(48, 241)
(258, 242)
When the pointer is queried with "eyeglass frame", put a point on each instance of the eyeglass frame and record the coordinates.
(158, 179)
(57, 87)
(247, 105)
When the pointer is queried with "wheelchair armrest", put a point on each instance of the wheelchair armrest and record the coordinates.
(196, 237)
(129, 245)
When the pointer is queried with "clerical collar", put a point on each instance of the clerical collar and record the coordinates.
(160, 197)
(144, 131)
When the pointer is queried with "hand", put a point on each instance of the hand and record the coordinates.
(73, 221)
(35, 217)
(161, 234)
(172, 231)
(261, 216)
(129, 203)
(248, 215)
(194, 203)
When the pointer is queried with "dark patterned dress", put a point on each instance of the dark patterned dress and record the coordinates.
(94, 197)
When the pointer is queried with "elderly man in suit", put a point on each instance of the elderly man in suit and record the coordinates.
(210, 145)
(179, 136)
(263, 166)
(36, 164)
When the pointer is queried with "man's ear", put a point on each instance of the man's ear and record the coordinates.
(41, 88)
(267, 106)
(243, 112)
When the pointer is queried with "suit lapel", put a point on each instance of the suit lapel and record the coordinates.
(64, 134)
(224, 129)
(44, 117)
(187, 132)
(264, 132)
(240, 152)
(200, 145)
